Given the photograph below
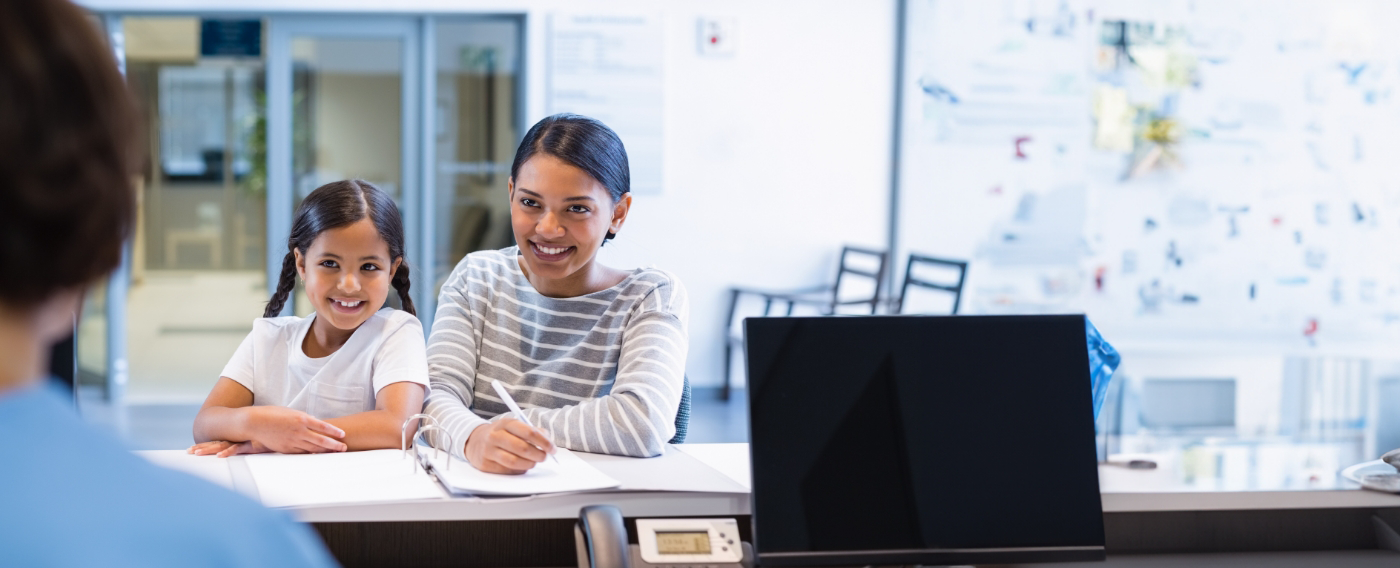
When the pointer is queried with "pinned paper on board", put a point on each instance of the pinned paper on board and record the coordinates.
(1113, 119)
(1231, 175)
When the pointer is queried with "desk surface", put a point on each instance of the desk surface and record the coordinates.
(700, 481)
(713, 480)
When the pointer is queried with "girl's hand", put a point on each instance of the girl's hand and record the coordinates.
(507, 446)
(225, 449)
(288, 431)
(207, 448)
(249, 447)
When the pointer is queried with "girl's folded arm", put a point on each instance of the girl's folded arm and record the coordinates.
(382, 427)
(224, 416)
(228, 416)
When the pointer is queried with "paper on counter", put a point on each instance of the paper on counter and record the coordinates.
(347, 477)
(570, 474)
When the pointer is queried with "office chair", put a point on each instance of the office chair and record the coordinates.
(682, 413)
(912, 279)
(63, 363)
(826, 299)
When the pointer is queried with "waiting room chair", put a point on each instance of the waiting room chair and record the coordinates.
(913, 277)
(857, 265)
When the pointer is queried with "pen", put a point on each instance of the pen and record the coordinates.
(514, 408)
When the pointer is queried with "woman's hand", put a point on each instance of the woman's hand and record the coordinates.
(288, 431)
(507, 446)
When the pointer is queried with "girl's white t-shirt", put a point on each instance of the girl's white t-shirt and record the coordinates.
(388, 348)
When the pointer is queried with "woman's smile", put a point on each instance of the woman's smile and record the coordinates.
(551, 253)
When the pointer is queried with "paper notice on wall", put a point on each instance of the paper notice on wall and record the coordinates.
(609, 67)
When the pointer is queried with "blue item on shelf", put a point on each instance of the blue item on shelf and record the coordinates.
(1103, 361)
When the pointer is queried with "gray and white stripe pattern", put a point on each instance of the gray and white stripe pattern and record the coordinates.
(599, 373)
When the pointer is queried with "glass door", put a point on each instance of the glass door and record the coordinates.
(343, 103)
(193, 279)
(477, 70)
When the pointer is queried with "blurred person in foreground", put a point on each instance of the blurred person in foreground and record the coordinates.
(71, 494)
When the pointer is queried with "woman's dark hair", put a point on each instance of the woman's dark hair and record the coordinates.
(69, 151)
(336, 205)
(583, 143)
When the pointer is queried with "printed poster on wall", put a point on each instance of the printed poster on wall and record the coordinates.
(609, 67)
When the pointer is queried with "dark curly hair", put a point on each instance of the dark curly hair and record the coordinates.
(69, 152)
(335, 205)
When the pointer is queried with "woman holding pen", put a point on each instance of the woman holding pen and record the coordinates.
(595, 356)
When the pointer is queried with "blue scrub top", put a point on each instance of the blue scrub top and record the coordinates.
(72, 495)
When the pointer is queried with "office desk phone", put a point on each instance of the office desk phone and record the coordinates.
(601, 539)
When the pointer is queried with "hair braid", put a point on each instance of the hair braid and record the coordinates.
(285, 282)
(401, 283)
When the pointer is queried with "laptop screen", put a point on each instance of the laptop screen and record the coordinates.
(908, 439)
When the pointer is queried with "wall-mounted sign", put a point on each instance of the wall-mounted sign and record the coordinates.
(230, 38)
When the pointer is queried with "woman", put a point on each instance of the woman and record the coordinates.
(594, 355)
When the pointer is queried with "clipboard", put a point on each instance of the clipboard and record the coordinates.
(567, 474)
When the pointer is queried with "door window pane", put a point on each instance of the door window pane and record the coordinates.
(198, 257)
(347, 108)
(478, 90)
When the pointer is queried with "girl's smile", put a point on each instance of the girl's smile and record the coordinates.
(347, 306)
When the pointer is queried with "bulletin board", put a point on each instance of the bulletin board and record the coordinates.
(1217, 173)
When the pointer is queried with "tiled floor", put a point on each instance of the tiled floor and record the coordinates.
(167, 426)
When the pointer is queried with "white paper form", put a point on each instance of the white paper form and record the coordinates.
(209, 467)
(570, 474)
(337, 478)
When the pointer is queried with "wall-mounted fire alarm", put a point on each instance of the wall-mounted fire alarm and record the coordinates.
(718, 37)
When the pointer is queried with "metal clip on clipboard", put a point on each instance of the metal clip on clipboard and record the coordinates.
(405, 445)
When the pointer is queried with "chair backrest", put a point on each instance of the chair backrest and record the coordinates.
(63, 363)
(911, 278)
(858, 266)
(682, 413)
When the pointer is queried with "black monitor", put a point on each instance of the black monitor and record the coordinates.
(922, 440)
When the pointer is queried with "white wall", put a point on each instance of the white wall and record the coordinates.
(774, 158)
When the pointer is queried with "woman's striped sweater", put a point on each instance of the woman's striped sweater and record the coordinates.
(599, 373)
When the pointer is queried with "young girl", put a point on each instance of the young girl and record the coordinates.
(347, 376)
(594, 355)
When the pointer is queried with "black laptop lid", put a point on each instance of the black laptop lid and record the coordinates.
(880, 434)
